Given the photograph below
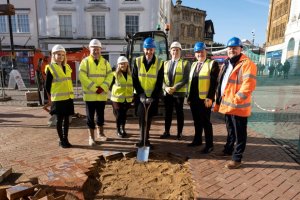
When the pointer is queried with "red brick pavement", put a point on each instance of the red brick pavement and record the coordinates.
(31, 149)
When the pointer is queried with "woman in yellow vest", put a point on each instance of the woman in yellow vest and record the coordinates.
(59, 86)
(121, 94)
(201, 92)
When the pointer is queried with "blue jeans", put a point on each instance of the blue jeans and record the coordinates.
(236, 132)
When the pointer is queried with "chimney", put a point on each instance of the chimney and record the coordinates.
(178, 2)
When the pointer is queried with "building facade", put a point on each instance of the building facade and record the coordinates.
(24, 26)
(291, 50)
(283, 34)
(73, 23)
(188, 25)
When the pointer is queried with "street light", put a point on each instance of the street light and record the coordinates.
(253, 37)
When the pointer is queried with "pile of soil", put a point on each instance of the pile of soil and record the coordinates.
(162, 177)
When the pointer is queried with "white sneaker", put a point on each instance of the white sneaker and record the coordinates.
(92, 142)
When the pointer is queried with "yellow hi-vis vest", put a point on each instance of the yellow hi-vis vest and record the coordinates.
(148, 78)
(122, 89)
(204, 78)
(61, 87)
(92, 76)
(178, 74)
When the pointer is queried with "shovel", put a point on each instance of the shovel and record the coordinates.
(143, 152)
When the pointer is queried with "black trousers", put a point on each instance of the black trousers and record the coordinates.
(236, 132)
(120, 112)
(91, 108)
(170, 101)
(201, 117)
(62, 126)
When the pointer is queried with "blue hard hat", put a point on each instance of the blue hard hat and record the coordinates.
(234, 42)
(149, 43)
(199, 46)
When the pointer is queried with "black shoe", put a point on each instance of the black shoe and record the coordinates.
(223, 154)
(63, 144)
(207, 150)
(179, 136)
(194, 144)
(119, 134)
(165, 135)
(149, 145)
(139, 144)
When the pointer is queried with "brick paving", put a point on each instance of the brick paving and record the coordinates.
(30, 147)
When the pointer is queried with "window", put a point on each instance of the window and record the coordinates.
(96, 0)
(98, 24)
(20, 23)
(3, 28)
(65, 25)
(132, 24)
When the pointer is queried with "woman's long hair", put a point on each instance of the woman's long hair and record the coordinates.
(119, 72)
(64, 62)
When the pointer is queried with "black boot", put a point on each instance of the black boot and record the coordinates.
(66, 143)
(119, 132)
(124, 134)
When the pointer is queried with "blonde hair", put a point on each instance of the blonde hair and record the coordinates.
(64, 62)
(118, 70)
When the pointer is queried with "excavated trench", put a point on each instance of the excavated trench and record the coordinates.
(120, 176)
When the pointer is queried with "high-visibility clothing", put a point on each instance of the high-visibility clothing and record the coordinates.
(181, 65)
(93, 76)
(61, 87)
(148, 78)
(204, 77)
(122, 89)
(236, 99)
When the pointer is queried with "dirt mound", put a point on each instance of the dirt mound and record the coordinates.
(162, 177)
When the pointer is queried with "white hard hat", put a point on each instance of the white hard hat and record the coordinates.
(122, 59)
(57, 48)
(176, 44)
(95, 43)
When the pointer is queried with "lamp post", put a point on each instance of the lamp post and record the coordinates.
(14, 65)
(253, 38)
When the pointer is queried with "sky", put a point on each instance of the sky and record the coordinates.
(235, 18)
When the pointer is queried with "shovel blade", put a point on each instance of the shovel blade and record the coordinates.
(143, 154)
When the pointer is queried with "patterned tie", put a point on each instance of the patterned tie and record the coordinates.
(170, 73)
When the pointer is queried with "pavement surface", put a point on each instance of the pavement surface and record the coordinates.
(30, 147)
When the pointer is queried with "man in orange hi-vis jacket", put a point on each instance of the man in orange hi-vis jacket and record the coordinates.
(236, 82)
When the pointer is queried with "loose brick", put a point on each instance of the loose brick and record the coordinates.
(4, 172)
(19, 191)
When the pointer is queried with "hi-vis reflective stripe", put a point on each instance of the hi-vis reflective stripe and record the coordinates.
(147, 75)
(249, 76)
(90, 92)
(148, 91)
(121, 96)
(204, 77)
(123, 85)
(90, 85)
(62, 94)
(236, 105)
(243, 96)
(203, 93)
(54, 70)
(61, 79)
(232, 81)
(106, 83)
(97, 75)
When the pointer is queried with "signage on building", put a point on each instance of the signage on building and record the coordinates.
(274, 54)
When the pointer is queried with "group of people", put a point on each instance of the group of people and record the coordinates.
(202, 83)
(279, 69)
